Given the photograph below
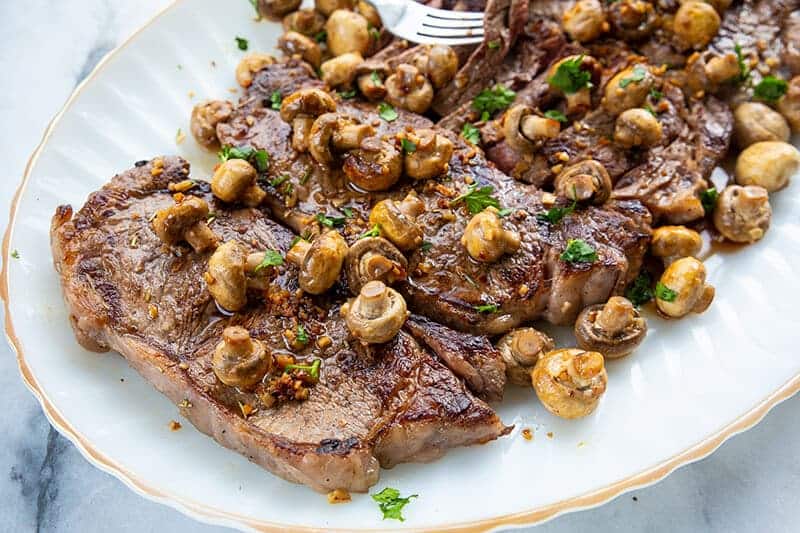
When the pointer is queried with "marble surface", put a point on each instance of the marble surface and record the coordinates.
(752, 483)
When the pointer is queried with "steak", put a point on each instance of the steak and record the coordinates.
(381, 405)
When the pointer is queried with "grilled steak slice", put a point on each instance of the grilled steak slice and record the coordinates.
(125, 291)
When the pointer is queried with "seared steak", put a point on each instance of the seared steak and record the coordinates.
(372, 406)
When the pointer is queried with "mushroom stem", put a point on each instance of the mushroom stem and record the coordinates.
(535, 127)
(298, 252)
(585, 366)
(617, 314)
(301, 128)
(349, 137)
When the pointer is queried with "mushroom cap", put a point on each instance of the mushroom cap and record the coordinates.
(675, 241)
(295, 43)
(308, 102)
(512, 122)
(409, 89)
(397, 226)
(585, 180)
(374, 258)
(743, 214)
(226, 277)
(591, 336)
(233, 179)
(273, 8)
(205, 117)
(521, 349)
(578, 394)
(687, 278)
(485, 238)
(238, 360)
(769, 164)
(431, 157)
(637, 127)
(171, 223)
(376, 166)
(322, 262)
(376, 315)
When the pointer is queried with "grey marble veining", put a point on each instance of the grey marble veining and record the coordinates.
(751, 484)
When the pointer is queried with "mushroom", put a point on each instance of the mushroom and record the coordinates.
(397, 221)
(637, 127)
(276, 8)
(371, 259)
(341, 70)
(326, 7)
(521, 348)
(569, 382)
(231, 271)
(755, 122)
(683, 289)
(430, 156)
(768, 164)
(585, 20)
(249, 65)
(524, 131)
(185, 221)
(579, 101)
(235, 181)
(320, 261)
(409, 89)
(632, 20)
(309, 22)
(338, 132)
(205, 117)
(375, 166)
(347, 32)
(295, 44)
(789, 104)
(615, 328)
(722, 68)
(239, 360)
(376, 315)
(628, 89)
(673, 242)
(583, 182)
(370, 13)
(439, 63)
(300, 109)
(743, 214)
(370, 75)
(695, 24)
(485, 238)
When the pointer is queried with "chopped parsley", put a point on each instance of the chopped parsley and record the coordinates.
(259, 158)
(312, 369)
(771, 89)
(505, 211)
(641, 290)
(271, 258)
(656, 95)
(331, 222)
(709, 199)
(477, 198)
(276, 182)
(649, 109)
(471, 134)
(664, 293)
(305, 177)
(391, 504)
(346, 95)
(348, 211)
(408, 146)
(297, 239)
(387, 112)
(487, 308)
(570, 77)
(555, 114)
(578, 251)
(744, 70)
(426, 246)
(375, 78)
(242, 43)
(15, 254)
(275, 100)
(375, 33)
(638, 74)
(493, 45)
(321, 36)
(492, 100)
(374, 231)
(555, 214)
(301, 336)
(254, 3)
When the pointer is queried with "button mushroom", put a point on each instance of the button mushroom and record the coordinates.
(430, 156)
(371, 259)
(300, 109)
(673, 242)
(235, 181)
(409, 89)
(231, 270)
(743, 214)
(485, 238)
(585, 20)
(326, 7)
(695, 24)
(333, 131)
(768, 164)
(569, 382)
(628, 89)
(580, 100)
(755, 122)
(370, 75)
(309, 22)
(239, 360)
(524, 131)
(296, 44)
(185, 221)
(375, 166)
(249, 66)
(376, 315)
(347, 32)
(789, 104)
(637, 127)
(276, 8)
(722, 68)
(683, 289)
(632, 20)
(397, 221)
(341, 70)
(370, 13)
(205, 117)
(320, 261)
(521, 349)
(439, 63)
(583, 182)
(615, 328)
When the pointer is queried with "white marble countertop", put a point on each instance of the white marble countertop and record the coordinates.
(752, 483)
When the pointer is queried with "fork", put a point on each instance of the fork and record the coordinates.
(427, 25)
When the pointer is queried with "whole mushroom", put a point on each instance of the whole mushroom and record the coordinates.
(695, 24)
(439, 63)
(524, 130)
(326, 7)
(231, 270)
(374, 259)
(585, 181)
(335, 132)
(239, 360)
(250, 65)
(615, 328)
(205, 117)
(789, 104)
(398, 221)
(347, 32)
(376, 315)
(632, 20)
(720, 69)
(637, 127)
(521, 348)
(309, 22)
(743, 214)
(276, 8)
(628, 89)
(300, 109)
(570, 382)
(235, 181)
(295, 44)
(585, 20)
(768, 164)
(578, 101)
(371, 74)
(375, 166)
(683, 289)
(185, 221)
(340, 71)
(320, 261)
(670, 243)
(755, 122)
(409, 89)
(430, 156)
(485, 238)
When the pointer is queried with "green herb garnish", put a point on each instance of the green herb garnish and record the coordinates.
(656, 95)
(709, 199)
(426, 246)
(555, 114)
(302, 335)
(331, 222)
(375, 33)
(375, 78)
(555, 214)
(348, 211)
(275, 182)
(471, 134)
(375, 231)
(638, 74)
(641, 290)
(664, 293)
(649, 109)
(391, 504)
(297, 238)
(387, 112)
(15, 254)
(493, 45)
(744, 70)
(259, 158)
(505, 211)
(771, 89)
(570, 77)
(347, 94)
(271, 258)
(408, 146)
(312, 369)
(492, 100)
(321, 36)
(487, 308)
(578, 251)
(242, 43)
(275, 100)
(477, 198)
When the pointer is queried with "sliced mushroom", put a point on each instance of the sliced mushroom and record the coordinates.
(569, 382)
(376, 315)
(524, 131)
(296, 44)
(250, 65)
(334, 131)
(397, 221)
(375, 166)
(683, 289)
(615, 328)
(185, 221)
(205, 117)
(743, 214)
(300, 109)
(320, 261)
(485, 238)
(521, 349)
(341, 70)
(430, 156)
(371, 259)
(586, 181)
(670, 243)
(637, 127)
(235, 181)
(239, 360)
(409, 89)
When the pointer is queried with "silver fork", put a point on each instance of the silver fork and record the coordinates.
(426, 25)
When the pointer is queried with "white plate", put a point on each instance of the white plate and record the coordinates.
(693, 384)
